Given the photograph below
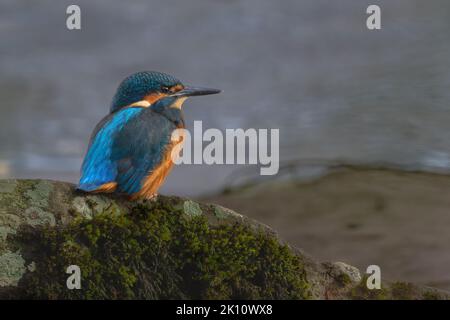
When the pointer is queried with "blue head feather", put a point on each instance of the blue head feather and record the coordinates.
(135, 87)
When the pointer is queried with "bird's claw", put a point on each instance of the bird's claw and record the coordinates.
(153, 197)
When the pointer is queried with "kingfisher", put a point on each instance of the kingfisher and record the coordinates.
(130, 149)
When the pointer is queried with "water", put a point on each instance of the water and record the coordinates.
(311, 68)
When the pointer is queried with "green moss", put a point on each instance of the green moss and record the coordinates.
(403, 291)
(156, 251)
(361, 292)
(10, 196)
(394, 291)
(7, 186)
(8, 225)
(343, 279)
(432, 295)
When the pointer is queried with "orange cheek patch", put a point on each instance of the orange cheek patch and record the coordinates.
(152, 98)
(176, 88)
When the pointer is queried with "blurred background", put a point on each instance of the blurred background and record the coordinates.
(372, 105)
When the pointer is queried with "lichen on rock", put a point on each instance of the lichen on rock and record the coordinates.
(164, 249)
(169, 248)
(12, 268)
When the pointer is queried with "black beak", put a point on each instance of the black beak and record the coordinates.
(195, 91)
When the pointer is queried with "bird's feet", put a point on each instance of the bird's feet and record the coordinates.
(153, 197)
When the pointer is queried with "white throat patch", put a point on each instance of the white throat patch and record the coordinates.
(141, 103)
(178, 103)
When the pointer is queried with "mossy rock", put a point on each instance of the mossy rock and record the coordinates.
(396, 291)
(171, 248)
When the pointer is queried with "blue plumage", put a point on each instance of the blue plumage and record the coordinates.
(136, 86)
(98, 166)
(128, 145)
(129, 151)
(141, 146)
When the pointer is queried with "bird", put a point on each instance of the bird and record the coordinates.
(129, 151)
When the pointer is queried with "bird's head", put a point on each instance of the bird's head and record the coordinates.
(143, 89)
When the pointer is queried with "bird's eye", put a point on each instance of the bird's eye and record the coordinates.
(165, 89)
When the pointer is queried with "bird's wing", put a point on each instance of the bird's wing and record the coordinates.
(98, 166)
(139, 148)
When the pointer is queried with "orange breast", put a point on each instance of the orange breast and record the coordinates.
(156, 178)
